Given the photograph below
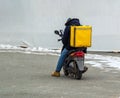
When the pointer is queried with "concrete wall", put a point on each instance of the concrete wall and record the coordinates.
(34, 21)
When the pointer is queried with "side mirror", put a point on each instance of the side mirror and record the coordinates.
(56, 32)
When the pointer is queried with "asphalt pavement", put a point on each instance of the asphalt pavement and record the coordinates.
(29, 76)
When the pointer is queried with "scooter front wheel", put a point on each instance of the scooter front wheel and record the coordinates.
(65, 71)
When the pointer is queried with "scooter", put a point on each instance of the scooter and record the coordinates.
(74, 63)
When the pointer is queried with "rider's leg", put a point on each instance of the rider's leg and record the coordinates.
(60, 62)
(61, 59)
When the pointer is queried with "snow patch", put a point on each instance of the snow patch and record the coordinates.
(103, 61)
(92, 59)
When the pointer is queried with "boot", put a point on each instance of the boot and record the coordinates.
(55, 74)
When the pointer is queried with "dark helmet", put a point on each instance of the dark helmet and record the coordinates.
(71, 21)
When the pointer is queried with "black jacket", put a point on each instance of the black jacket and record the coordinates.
(66, 36)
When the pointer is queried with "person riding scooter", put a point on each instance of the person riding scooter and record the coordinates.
(66, 45)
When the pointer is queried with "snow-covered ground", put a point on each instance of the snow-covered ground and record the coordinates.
(103, 61)
(95, 60)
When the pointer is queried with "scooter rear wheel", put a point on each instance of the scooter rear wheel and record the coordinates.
(76, 72)
(78, 75)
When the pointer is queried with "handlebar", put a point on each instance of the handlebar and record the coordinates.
(59, 39)
(60, 33)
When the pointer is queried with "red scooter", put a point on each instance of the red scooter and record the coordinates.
(74, 63)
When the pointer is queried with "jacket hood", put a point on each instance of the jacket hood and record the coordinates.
(73, 21)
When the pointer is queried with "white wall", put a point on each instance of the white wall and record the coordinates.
(35, 20)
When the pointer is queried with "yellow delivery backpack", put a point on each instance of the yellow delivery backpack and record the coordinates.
(80, 36)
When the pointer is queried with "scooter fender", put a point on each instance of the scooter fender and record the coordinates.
(80, 62)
